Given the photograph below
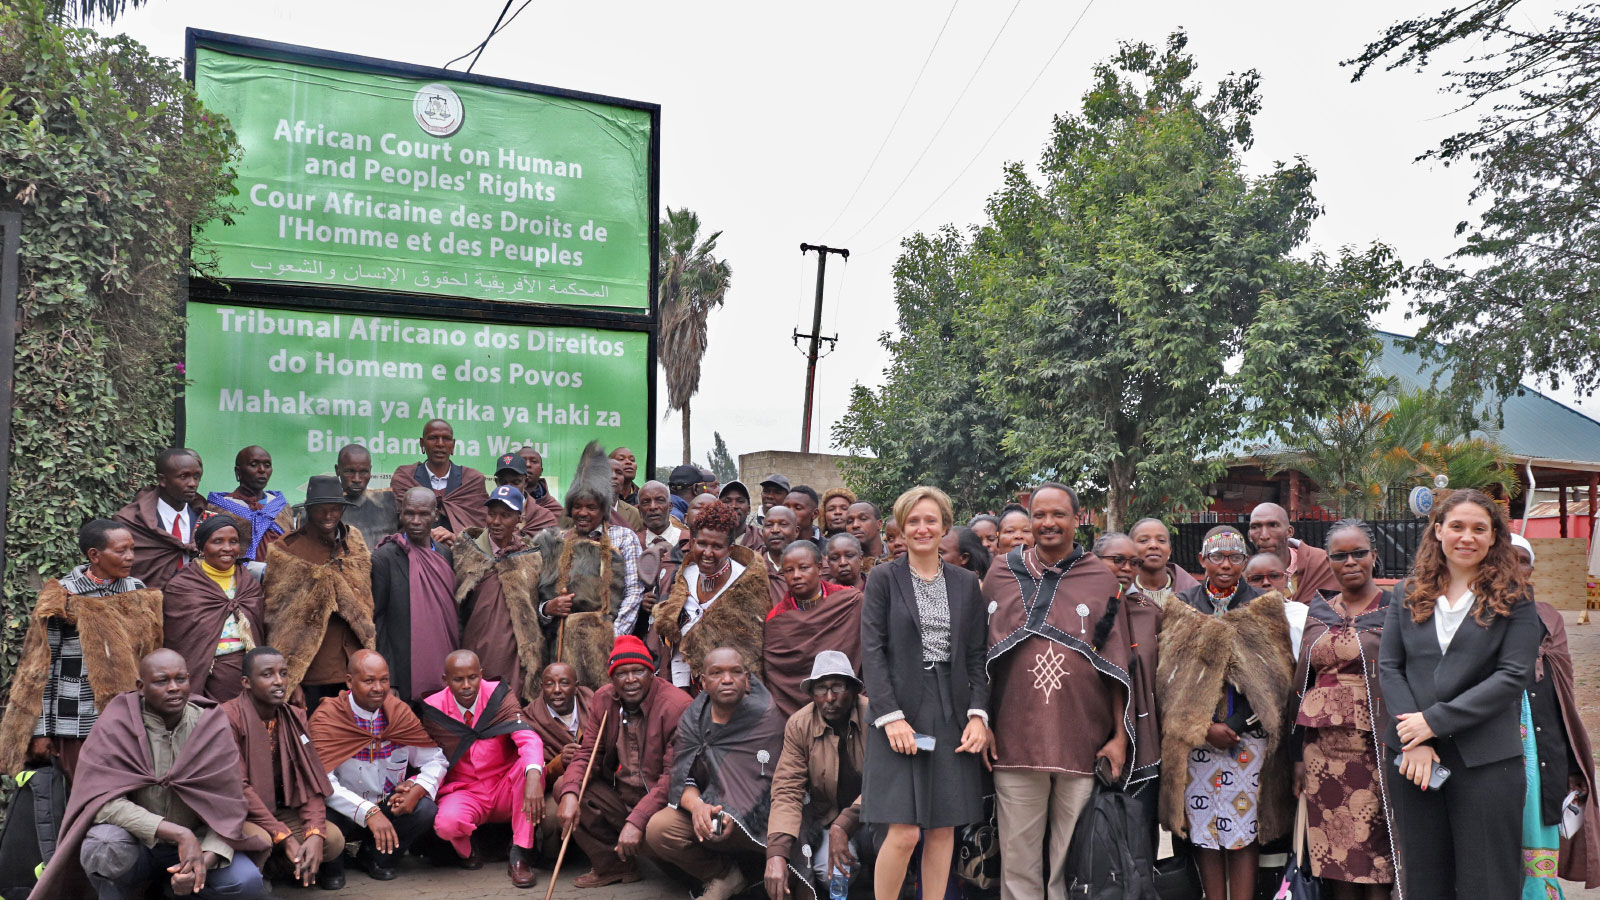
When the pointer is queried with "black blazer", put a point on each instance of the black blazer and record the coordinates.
(1471, 694)
(891, 642)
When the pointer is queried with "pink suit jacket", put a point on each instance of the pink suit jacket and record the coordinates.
(489, 761)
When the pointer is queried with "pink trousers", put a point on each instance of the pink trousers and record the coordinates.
(475, 803)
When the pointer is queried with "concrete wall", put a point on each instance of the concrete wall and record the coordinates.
(819, 470)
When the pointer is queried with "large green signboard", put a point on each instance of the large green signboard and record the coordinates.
(363, 180)
(303, 384)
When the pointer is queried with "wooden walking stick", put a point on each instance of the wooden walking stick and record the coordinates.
(561, 643)
(594, 758)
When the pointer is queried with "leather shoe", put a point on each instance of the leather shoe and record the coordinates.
(378, 871)
(518, 867)
(472, 862)
(330, 876)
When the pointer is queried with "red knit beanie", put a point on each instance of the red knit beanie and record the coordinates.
(629, 650)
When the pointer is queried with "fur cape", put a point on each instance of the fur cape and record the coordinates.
(115, 631)
(586, 643)
(1247, 647)
(301, 597)
(519, 574)
(737, 619)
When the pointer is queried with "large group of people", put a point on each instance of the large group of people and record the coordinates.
(779, 689)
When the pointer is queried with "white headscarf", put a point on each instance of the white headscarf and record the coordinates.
(1518, 540)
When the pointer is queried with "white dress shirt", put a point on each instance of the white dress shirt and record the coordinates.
(168, 515)
(671, 535)
(358, 786)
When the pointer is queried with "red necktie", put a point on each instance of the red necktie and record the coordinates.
(467, 717)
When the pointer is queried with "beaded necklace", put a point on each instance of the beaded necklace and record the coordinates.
(1219, 600)
(708, 583)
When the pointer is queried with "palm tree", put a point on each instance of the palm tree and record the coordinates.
(692, 283)
(85, 11)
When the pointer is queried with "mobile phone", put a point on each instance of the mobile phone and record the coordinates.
(923, 742)
(716, 826)
(1436, 780)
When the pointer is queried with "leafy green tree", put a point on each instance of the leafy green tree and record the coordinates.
(930, 423)
(721, 461)
(111, 159)
(86, 11)
(1518, 300)
(691, 283)
(1148, 300)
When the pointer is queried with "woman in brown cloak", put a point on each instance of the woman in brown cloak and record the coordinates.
(213, 611)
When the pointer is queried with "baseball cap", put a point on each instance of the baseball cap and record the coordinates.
(510, 496)
(685, 475)
(776, 479)
(512, 462)
(734, 484)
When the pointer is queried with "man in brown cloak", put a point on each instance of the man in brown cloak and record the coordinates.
(162, 517)
(780, 530)
(83, 645)
(413, 596)
(497, 589)
(157, 791)
(284, 785)
(263, 515)
(558, 715)
(375, 514)
(513, 472)
(534, 486)
(814, 616)
(1309, 569)
(319, 593)
(1058, 663)
(459, 489)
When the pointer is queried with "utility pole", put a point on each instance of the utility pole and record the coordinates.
(815, 336)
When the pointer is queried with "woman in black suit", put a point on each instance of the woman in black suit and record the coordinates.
(923, 639)
(1457, 653)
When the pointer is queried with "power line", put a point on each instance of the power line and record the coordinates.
(890, 133)
(496, 29)
(940, 129)
(1042, 69)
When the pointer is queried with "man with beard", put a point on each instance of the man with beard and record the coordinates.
(640, 714)
(813, 615)
(845, 561)
(534, 485)
(863, 521)
(781, 530)
(1158, 577)
(513, 472)
(1309, 569)
(497, 586)
(157, 795)
(368, 740)
(263, 515)
(628, 492)
(162, 517)
(459, 489)
(558, 716)
(319, 593)
(496, 764)
(376, 514)
(1054, 609)
(816, 789)
(413, 597)
(84, 640)
(723, 759)
(622, 512)
(285, 788)
(802, 501)
(589, 588)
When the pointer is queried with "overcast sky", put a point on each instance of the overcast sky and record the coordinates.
(772, 112)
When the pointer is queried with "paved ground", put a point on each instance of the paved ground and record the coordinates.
(420, 881)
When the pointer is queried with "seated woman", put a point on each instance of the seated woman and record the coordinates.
(213, 610)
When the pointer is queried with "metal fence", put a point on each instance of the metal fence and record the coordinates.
(1396, 540)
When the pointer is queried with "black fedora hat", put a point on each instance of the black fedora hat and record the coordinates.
(324, 489)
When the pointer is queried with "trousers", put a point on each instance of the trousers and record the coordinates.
(408, 828)
(1024, 801)
(601, 815)
(470, 804)
(1465, 839)
(671, 838)
(121, 867)
(332, 837)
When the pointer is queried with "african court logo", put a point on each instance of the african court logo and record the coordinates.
(438, 110)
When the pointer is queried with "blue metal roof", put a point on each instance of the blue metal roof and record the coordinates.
(1536, 426)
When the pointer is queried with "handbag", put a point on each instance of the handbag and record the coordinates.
(1298, 882)
(1177, 878)
(977, 856)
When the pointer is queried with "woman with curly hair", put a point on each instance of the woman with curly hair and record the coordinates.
(1458, 650)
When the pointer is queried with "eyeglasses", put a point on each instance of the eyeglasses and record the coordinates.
(1235, 558)
(1343, 555)
(1260, 578)
(1118, 562)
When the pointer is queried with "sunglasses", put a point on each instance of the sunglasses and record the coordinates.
(1118, 562)
(1343, 555)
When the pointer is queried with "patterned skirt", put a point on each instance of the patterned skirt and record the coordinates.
(1347, 834)
(1224, 793)
(1541, 843)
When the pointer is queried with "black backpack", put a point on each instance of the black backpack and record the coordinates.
(28, 838)
(1110, 857)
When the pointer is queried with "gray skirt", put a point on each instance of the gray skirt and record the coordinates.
(930, 790)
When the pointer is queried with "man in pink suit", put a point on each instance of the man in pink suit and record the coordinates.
(496, 764)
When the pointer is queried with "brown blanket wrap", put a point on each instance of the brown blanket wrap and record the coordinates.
(794, 638)
(464, 506)
(518, 572)
(115, 632)
(299, 775)
(551, 731)
(337, 737)
(156, 553)
(736, 619)
(301, 596)
(193, 609)
(1247, 647)
(1579, 859)
(116, 762)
